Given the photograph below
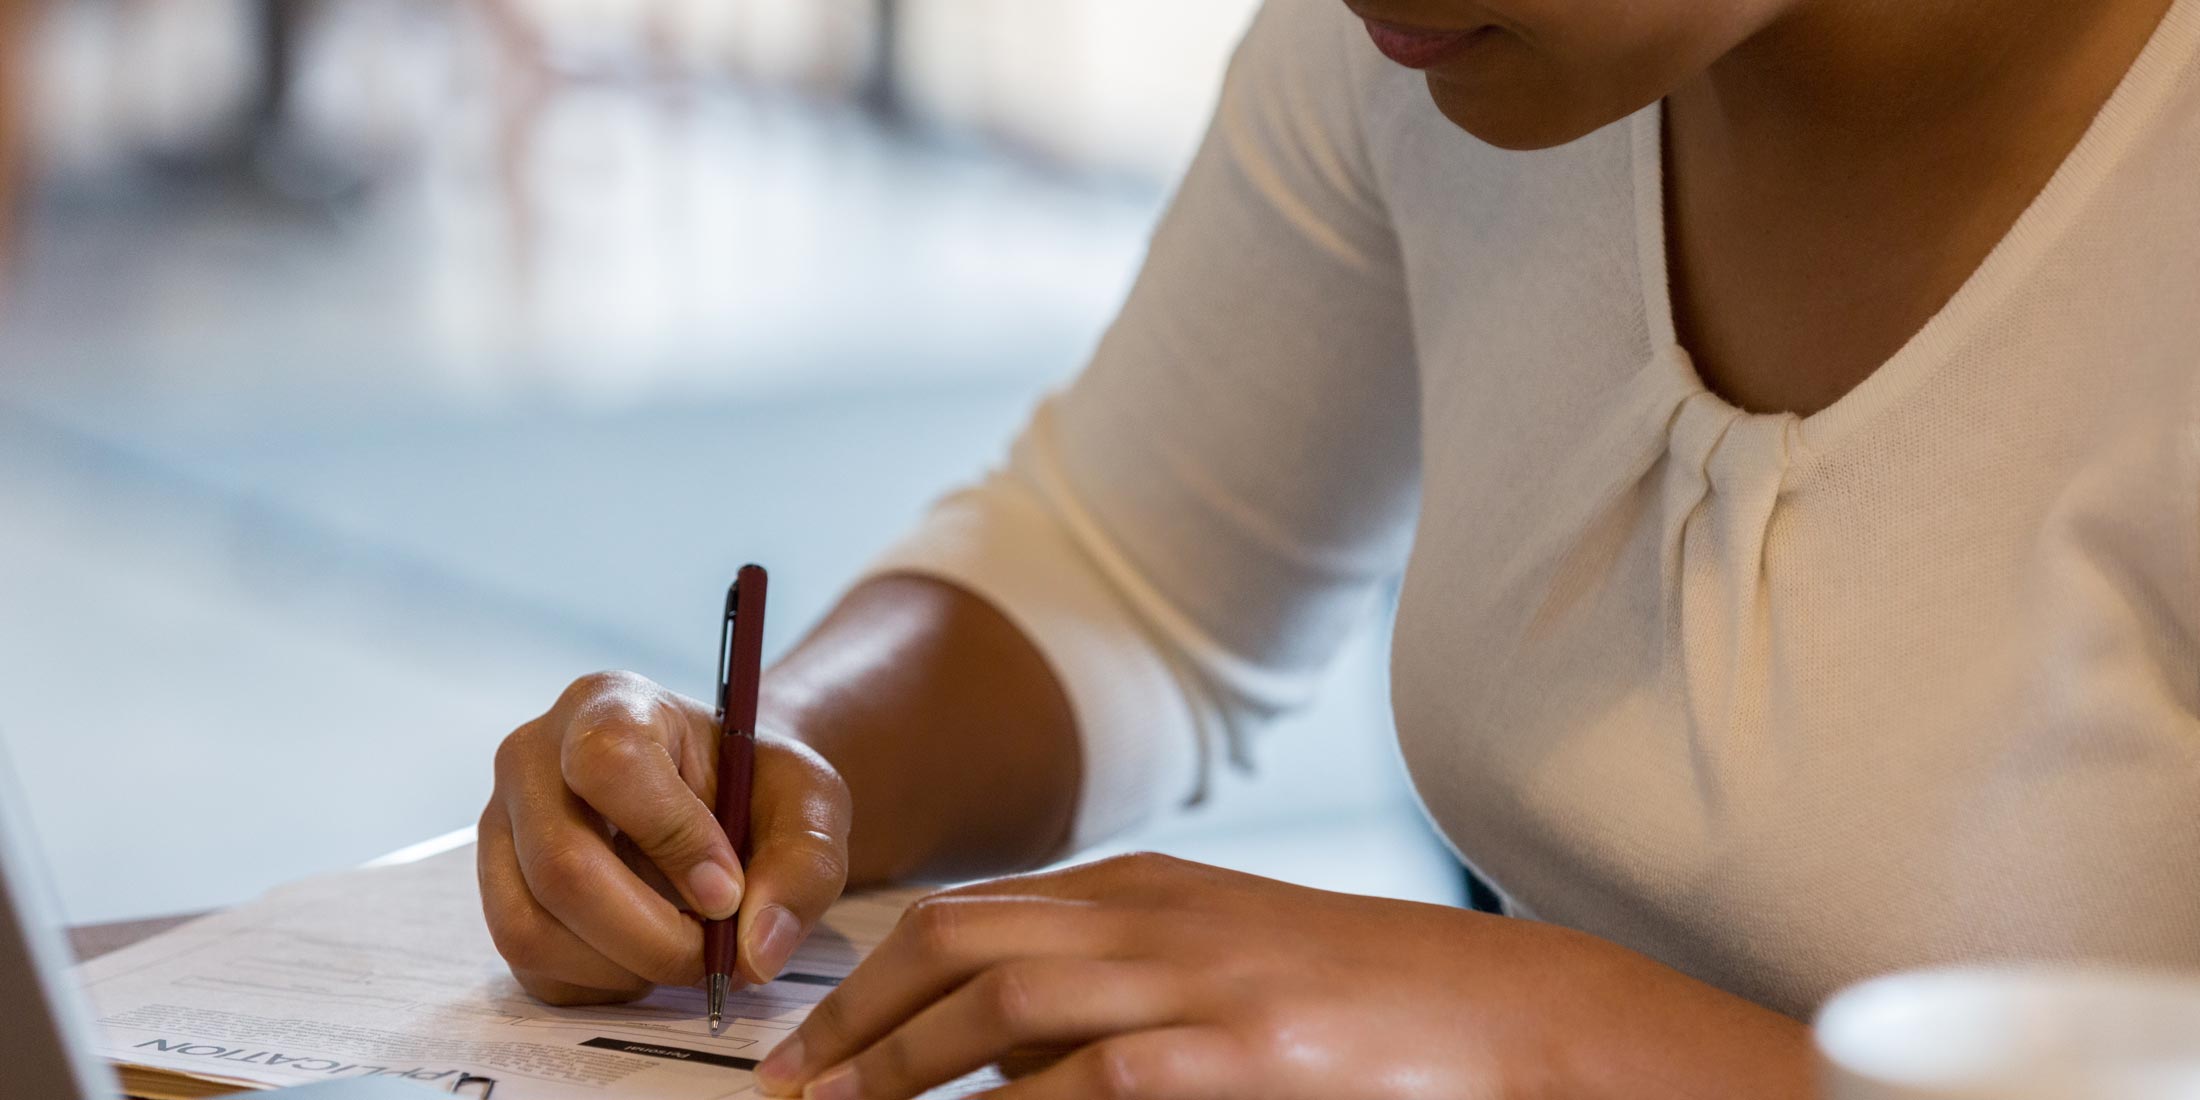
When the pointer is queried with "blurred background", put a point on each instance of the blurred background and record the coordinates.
(370, 368)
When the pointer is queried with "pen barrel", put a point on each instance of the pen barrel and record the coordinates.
(736, 771)
(720, 949)
(740, 670)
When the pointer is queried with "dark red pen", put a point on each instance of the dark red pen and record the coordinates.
(740, 657)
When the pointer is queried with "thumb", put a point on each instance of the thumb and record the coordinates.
(799, 859)
(624, 772)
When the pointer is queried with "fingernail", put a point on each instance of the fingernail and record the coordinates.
(779, 1069)
(717, 896)
(773, 940)
(839, 1083)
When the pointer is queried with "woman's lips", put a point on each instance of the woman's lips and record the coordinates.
(1419, 47)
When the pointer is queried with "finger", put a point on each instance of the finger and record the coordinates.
(1181, 1063)
(799, 864)
(1016, 1006)
(940, 943)
(547, 958)
(1139, 876)
(572, 871)
(616, 755)
(1063, 884)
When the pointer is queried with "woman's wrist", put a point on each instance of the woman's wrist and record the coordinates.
(1653, 1033)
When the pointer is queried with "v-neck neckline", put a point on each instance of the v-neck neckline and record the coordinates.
(2122, 119)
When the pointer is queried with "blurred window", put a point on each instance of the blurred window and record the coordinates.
(1116, 84)
(1121, 85)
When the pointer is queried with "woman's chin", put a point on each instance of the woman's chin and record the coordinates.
(1517, 121)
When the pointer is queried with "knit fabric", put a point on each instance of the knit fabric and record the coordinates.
(1782, 701)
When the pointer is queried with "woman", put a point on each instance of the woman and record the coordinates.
(1794, 464)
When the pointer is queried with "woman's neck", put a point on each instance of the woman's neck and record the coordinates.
(1836, 84)
(1837, 179)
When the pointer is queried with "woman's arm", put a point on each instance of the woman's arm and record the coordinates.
(951, 732)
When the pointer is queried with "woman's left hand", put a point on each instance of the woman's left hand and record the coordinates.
(1158, 979)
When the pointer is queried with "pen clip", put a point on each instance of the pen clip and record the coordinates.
(725, 649)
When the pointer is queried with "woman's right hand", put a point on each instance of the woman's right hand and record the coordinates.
(599, 850)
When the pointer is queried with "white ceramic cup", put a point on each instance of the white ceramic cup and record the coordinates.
(2013, 1034)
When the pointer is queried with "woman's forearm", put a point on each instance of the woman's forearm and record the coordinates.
(954, 736)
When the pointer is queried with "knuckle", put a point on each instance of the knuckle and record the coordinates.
(777, 753)
(819, 861)
(671, 835)
(524, 948)
(512, 752)
(672, 966)
(837, 795)
(1009, 997)
(935, 926)
(595, 685)
(608, 749)
(1147, 863)
(1120, 1072)
(559, 875)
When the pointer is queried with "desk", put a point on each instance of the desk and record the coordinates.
(90, 941)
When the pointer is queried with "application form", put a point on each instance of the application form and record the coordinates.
(391, 972)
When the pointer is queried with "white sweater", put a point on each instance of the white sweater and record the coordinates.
(1782, 701)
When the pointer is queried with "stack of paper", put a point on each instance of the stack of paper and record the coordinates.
(391, 972)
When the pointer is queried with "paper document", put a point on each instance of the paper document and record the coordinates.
(391, 972)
